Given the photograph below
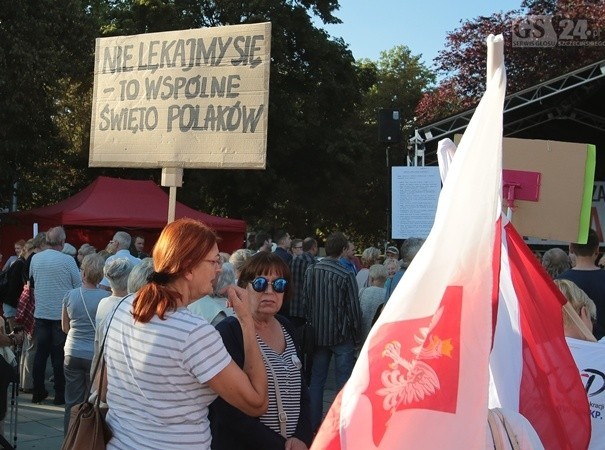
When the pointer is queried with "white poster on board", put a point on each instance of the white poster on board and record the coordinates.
(415, 192)
(194, 98)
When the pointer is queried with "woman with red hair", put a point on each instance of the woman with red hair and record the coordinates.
(165, 365)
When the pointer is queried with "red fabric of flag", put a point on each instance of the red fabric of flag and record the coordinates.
(551, 395)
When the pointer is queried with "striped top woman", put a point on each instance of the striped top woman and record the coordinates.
(266, 278)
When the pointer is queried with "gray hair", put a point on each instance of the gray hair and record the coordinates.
(378, 272)
(86, 249)
(69, 249)
(238, 258)
(55, 236)
(556, 261)
(224, 279)
(39, 240)
(117, 272)
(390, 262)
(92, 268)
(370, 255)
(138, 276)
(123, 239)
(409, 248)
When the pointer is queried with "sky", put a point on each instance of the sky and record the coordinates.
(370, 27)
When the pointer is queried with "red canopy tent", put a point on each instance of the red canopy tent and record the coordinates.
(109, 205)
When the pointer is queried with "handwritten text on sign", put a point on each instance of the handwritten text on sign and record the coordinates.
(193, 98)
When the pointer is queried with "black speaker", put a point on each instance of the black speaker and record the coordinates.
(389, 126)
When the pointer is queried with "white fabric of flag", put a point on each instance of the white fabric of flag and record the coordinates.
(422, 377)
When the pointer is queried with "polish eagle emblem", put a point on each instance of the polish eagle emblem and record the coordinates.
(407, 381)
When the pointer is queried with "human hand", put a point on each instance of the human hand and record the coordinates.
(295, 444)
(237, 298)
(17, 337)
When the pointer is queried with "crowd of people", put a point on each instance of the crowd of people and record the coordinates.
(205, 349)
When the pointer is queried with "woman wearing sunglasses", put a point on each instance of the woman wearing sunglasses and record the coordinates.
(287, 423)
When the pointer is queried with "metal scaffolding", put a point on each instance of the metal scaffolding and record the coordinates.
(537, 93)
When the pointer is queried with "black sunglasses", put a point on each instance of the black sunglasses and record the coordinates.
(260, 284)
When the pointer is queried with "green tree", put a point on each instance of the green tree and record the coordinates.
(43, 45)
(395, 81)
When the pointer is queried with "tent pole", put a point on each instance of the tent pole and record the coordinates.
(173, 178)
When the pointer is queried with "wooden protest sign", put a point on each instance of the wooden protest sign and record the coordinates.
(563, 207)
(562, 211)
(186, 99)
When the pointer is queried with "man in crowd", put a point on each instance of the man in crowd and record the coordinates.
(296, 247)
(294, 309)
(332, 307)
(283, 241)
(119, 246)
(589, 277)
(139, 248)
(262, 242)
(555, 261)
(53, 274)
(391, 252)
(347, 258)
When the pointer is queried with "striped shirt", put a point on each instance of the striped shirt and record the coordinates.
(287, 370)
(332, 303)
(157, 374)
(54, 274)
(299, 266)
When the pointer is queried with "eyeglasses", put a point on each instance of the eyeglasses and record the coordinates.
(298, 248)
(260, 284)
(217, 262)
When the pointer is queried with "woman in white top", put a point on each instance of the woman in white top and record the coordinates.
(165, 365)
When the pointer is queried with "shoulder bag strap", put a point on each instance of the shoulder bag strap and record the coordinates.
(494, 429)
(281, 414)
(100, 358)
(86, 309)
(510, 433)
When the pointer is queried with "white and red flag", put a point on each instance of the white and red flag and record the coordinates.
(531, 365)
(422, 380)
